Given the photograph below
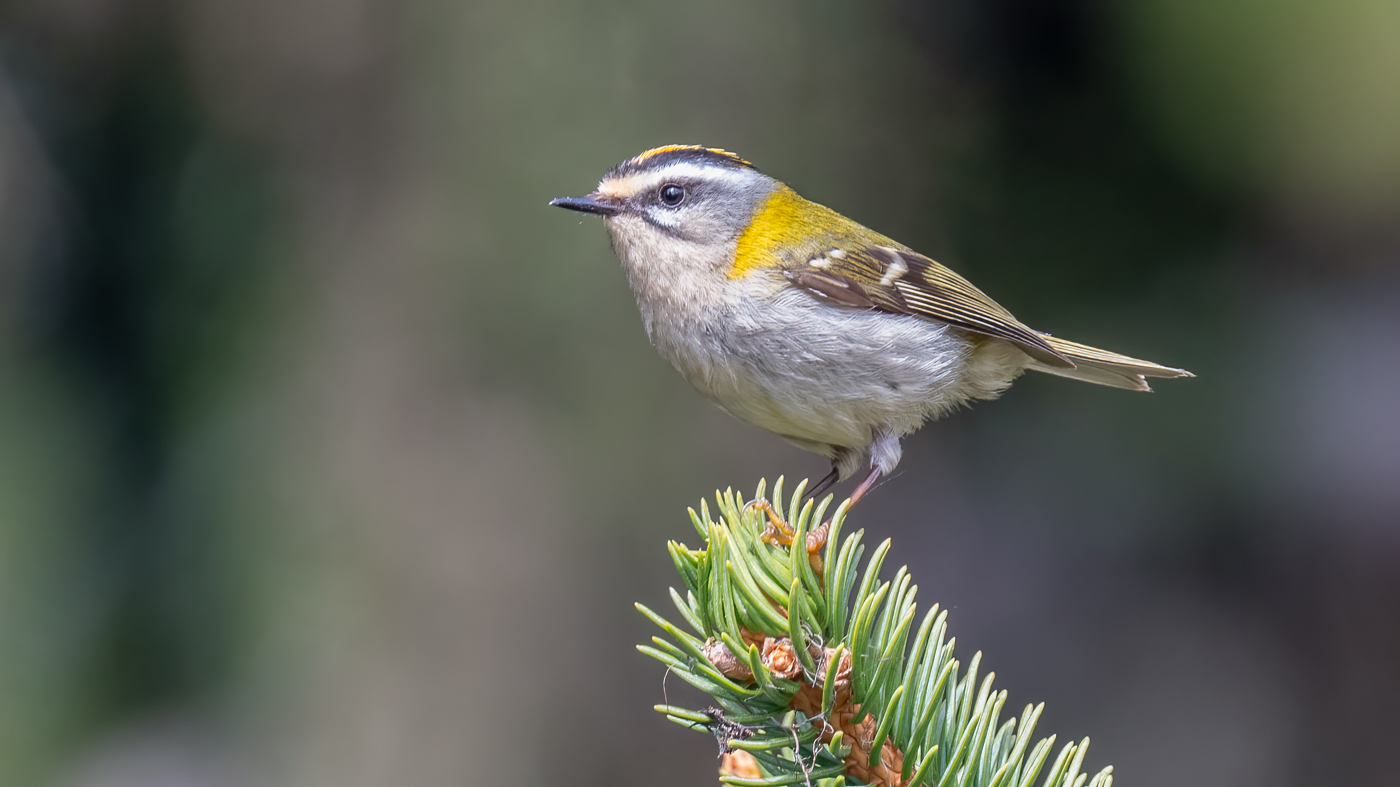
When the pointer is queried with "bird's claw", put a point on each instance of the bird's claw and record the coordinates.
(816, 539)
(780, 532)
(776, 531)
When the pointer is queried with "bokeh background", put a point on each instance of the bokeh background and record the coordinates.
(330, 455)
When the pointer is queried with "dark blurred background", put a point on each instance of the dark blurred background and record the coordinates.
(330, 455)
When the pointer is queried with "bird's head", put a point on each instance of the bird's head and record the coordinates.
(677, 205)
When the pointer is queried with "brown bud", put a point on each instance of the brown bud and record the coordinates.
(843, 668)
(741, 764)
(865, 730)
(725, 661)
(780, 657)
(754, 638)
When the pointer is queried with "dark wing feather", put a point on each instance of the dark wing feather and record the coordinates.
(900, 281)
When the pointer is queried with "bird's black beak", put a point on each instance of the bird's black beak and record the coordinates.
(593, 203)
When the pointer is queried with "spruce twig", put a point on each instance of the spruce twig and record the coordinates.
(812, 673)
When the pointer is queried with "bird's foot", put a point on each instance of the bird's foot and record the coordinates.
(816, 541)
(777, 531)
(780, 532)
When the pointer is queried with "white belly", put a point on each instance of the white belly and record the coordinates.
(827, 376)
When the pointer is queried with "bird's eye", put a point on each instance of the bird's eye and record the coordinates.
(671, 195)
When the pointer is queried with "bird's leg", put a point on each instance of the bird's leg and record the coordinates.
(817, 538)
(866, 484)
(824, 484)
(780, 532)
(884, 455)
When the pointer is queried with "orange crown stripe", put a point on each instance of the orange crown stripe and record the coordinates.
(734, 157)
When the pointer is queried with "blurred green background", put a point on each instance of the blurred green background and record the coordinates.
(330, 455)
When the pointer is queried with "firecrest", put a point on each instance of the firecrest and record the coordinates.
(794, 318)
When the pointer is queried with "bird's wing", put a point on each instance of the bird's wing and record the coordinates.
(900, 281)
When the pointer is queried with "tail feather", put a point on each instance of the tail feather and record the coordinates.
(1093, 365)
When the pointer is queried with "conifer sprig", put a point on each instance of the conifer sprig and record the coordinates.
(812, 672)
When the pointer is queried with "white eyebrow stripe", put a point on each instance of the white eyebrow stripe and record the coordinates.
(689, 169)
(644, 181)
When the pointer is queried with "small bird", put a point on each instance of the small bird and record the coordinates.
(796, 319)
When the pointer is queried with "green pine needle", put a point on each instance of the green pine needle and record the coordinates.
(770, 626)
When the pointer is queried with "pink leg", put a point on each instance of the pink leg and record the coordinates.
(866, 484)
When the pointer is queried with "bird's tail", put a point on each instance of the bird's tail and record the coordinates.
(1093, 365)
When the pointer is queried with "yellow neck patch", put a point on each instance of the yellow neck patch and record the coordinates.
(780, 222)
(786, 225)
